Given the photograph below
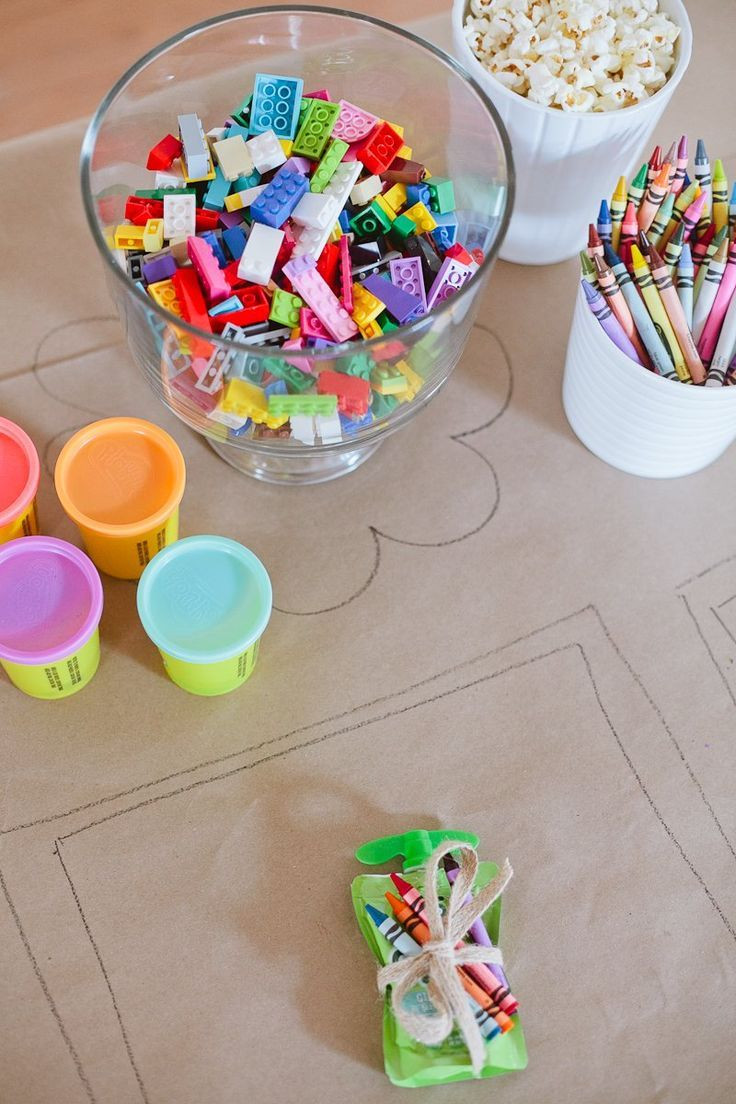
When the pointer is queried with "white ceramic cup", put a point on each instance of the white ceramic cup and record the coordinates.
(634, 419)
(566, 162)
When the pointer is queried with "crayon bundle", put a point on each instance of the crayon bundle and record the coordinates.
(659, 271)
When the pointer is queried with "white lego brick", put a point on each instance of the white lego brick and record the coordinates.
(329, 428)
(366, 190)
(315, 210)
(172, 178)
(232, 421)
(302, 428)
(233, 157)
(259, 255)
(196, 150)
(236, 200)
(266, 151)
(310, 241)
(179, 216)
(217, 134)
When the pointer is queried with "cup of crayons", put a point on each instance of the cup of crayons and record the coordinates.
(656, 309)
(405, 918)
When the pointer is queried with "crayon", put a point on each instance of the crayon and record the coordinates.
(685, 273)
(478, 971)
(702, 171)
(712, 328)
(663, 283)
(683, 201)
(638, 186)
(700, 247)
(406, 946)
(661, 220)
(658, 314)
(618, 206)
(670, 158)
(611, 325)
(691, 216)
(732, 210)
(725, 348)
(643, 243)
(629, 226)
(652, 201)
(709, 289)
(595, 245)
(647, 331)
(477, 930)
(655, 163)
(587, 268)
(720, 196)
(418, 930)
(614, 297)
(675, 247)
(681, 167)
(604, 226)
(712, 248)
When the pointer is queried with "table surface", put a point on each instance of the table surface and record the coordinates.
(483, 628)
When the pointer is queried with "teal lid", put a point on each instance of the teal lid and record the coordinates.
(204, 599)
(414, 847)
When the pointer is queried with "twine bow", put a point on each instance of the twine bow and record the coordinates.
(439, 957)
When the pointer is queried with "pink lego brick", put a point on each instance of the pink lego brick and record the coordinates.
(346, 276)
(353, 124)
(317, 294)
(310, 325)
(215, 286)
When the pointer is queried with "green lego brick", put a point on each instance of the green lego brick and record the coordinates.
(302, 404)
(296, 380)
(382, 405)
(241, 115)
(324, 172)
(371, 221)
(441, 195)
(402, 228)
(386, 322)
(314, 133)
(359, 365)
(285, 308)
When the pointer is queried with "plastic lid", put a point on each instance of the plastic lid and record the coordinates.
(414, 847)
(50, 600)
(120, 475)
(204, 599)
(19, 471)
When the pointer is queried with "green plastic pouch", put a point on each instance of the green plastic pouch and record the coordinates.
(407, 1062)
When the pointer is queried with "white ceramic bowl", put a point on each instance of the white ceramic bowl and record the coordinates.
(566, 162)
(633, 419)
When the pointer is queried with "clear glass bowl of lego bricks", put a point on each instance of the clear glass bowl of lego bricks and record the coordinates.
(262, 329)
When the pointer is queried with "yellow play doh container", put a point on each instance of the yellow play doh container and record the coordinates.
(19, 475)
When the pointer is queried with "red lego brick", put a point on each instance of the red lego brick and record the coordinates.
(164, 153)
(380, 148)
(353, 392)
(327, 264)
(191, 299)
(206, 220)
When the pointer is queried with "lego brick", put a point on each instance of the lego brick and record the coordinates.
(201, 254)
(174, 178)
(308, 283)
(275, 104)
(233, 157)
(225, 306)
(241, 114)
(310, 242)
(353, 392)
(266, 151)
(259, 256)
(212, 237)
(441, 195)
(310, 325)
(280, 199)
(179, 215)
(238, 201)
(386, 379)
(327, 263)
(159, 269)
(366, 305)
(371, 330)
(328, 428)
(404, 171)
(316, 211)
(325, 170)
(191, 299)
(298, 164)
(164, 153)
(421, 217)
(321, 94)
(351, 426)
(396, 197)
(153, 235)
(195, 151)
(234, 239)
(296, 380)
(382, 405)
(379, 149)
(346, 282)
(445, 232)
(303, 428)
(450, 278)
(315, 129)
(285, 308)
(365, 190)
(248, 400)
(406, 274)
(302, 404)
(418, 193)
(400, 304)
(134, 265)
(385, 207)
(353, 124)
(371, 221)
(129, 237)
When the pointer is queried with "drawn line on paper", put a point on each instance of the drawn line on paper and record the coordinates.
(708, 648)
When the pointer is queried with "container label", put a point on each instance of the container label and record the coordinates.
(74, 672)
(52, 674)
(143, 553)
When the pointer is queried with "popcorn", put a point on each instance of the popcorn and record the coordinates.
(574, 55)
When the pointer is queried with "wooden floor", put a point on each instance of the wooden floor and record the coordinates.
(59, 59)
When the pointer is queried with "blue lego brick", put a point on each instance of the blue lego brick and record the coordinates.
(417, 193)
(274, 205)
(445, 233)
(241, 430)
(213, 242)
(234, 129)
(276, 103)
(344, 221)
(277, 387)
(214, 197)
(225, 306)
(350, 426)
(234, 240)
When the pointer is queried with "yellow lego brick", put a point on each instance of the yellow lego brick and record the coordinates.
(233, 202)
(366, 307)
(413, 381)
(163, 292)
(108, 233)
(422, 218)
(197, 179)
(286, 145)
(385, 207)
(406, 152)
(387, 381)
(153, 235)
(372, 329)
(396, 196)
(248, 401)
(336, 233)
(128, 237)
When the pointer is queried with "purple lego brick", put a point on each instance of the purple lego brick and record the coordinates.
(450, 278)
(231, 218)
(399, 304)
(160, 269)
(407, 274)
(297, 165)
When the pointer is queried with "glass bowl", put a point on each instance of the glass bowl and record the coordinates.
(450, 122)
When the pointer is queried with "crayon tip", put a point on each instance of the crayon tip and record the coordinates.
(720, 236)
(641, 177)
(700, 154)
(671, 153)
(593, 239)
(636, 256)
(662, 177)
(686, 257)
(376, 915)
(721, 252)
(612, 257)
(644, 243)
(686, 181)
(620, 189)
(719, 172)
(590, 292)
(679, 234)
(682, 149)
(630, 214)
(603, 213)
(401, 884)
(395, 903)
(655, 159)
(695, 209)
(600, 265)
(654, 258)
